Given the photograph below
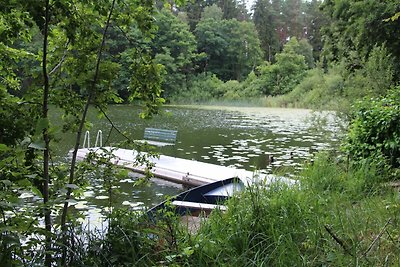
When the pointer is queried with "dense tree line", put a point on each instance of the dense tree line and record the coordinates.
(219, 38)
(222, 39)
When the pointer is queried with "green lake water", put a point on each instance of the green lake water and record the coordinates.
(239, 137)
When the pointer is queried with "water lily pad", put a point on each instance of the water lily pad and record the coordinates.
(101, 197)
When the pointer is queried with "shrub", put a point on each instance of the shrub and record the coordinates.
(375, 129)
(201, 88)
(232, 90)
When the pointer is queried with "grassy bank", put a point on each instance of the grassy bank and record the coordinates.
(338, 215)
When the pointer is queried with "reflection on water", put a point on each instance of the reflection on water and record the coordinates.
(231, 136)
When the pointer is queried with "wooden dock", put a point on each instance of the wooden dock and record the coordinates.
(178, 170)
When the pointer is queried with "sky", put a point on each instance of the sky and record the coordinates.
(249, 4)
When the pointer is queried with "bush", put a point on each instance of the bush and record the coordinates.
(201, 88)
(374, 78)
(317, 90)
(375, 129)
(232, 90)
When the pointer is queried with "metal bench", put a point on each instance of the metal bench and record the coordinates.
(160, 137)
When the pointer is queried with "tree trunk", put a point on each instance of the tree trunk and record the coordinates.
(46, 138)
(79, 135)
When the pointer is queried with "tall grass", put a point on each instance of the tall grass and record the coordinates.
(338, 214)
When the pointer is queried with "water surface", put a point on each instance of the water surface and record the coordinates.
(239, 137)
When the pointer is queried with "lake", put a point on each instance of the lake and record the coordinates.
(239, 137)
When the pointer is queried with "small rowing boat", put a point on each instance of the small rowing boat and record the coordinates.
(199, 201)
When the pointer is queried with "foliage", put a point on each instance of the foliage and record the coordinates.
(174, 46)
(234, 9)
(357, 27)
(72, 67)
(317, 90)
(277, 21)
(125, 242)
(287, 72)
(212, 12)
(206, 88)
(322, 88)
(375, 131)
(14, 122)
(315, 21)
(303, 47)
(283, 226)
(202, 88)
(374, 78)
(230, 9)
(232, 47)
(265, 20)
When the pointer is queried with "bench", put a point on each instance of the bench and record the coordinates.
(160, 137)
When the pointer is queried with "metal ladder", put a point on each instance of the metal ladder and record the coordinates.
(99, 139)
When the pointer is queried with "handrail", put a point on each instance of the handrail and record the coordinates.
(86, 139)
(99, 139)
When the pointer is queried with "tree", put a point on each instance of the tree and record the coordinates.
(303, 48)
(75, 73)
(264, 18)
(194, 10)
(286, 73)
(315, 20)
(356, 27)
(174, 46)
(233, 9)
(212, 12)
(232, 47)
(294, 18)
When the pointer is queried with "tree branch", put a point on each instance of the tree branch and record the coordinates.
(338, 240)
(113, 125)
(377, 238)
(59, 63)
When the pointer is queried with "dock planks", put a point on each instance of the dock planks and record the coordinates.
(178, 170)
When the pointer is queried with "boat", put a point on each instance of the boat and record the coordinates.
(199, 201)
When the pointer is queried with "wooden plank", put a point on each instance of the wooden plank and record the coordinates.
(201, 206)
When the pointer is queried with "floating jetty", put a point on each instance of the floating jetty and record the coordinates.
(177, 170)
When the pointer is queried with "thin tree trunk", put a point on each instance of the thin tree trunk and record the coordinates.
(46, 152)
(79, 135)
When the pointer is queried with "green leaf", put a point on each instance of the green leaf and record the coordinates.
(39, 145)
(72, 186)
(31, 176)
(3, 147)
(188, 251)
(6, 182)
(122, 173)
(36, 192)
(24, 183)
(41, 125)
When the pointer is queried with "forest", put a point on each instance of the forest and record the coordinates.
(74, 55)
